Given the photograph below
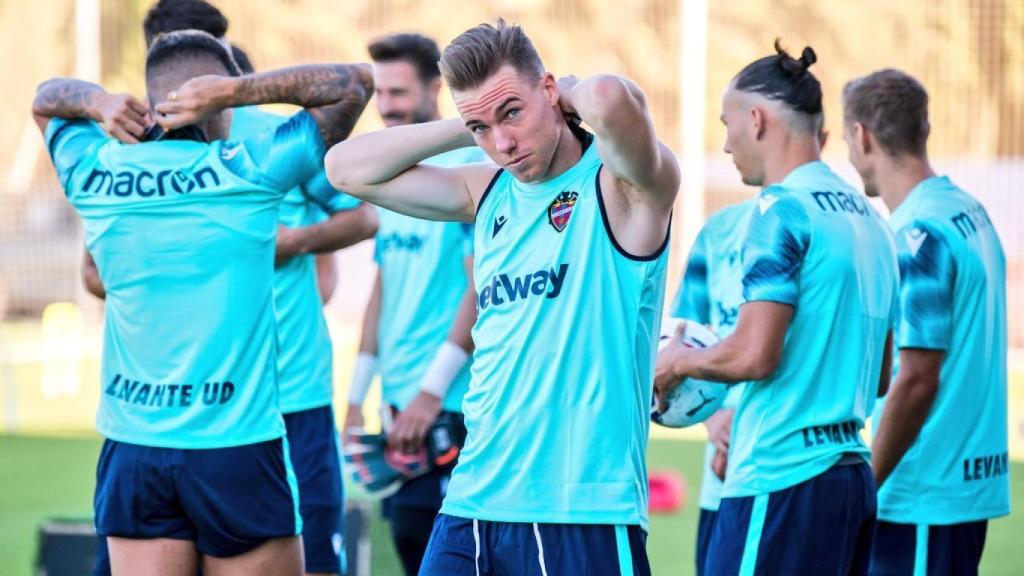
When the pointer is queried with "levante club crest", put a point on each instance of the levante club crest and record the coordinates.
(561, 209)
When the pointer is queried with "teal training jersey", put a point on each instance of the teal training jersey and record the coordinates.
(423, 281)
(304, 357)
(815, 244)
(953, 299)
(558, 407)
(711, 293)
(182, 233)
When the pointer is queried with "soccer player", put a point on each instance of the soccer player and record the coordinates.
(570, 231)
(182, 231)
(940, 446)
(171, 15)
(711, 293)
(313, 218)
(819, 287)
(416, 329)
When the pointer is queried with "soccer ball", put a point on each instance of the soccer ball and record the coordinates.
(693, 401)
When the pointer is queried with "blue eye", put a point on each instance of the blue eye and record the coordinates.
(478, 129)
(512, 114)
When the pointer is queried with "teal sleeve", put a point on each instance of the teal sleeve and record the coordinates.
(69, 142)
(927, 278)
(288, 155)
(693, 300)
(319, 191)
(774, 249)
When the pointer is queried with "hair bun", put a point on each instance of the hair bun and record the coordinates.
(808, 57)
(795, 66)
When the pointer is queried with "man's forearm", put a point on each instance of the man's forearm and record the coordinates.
(376, 157)
(67, 98)
(909, 401)
(341, 230)
(308, 86)
(462, 329)
(371, 318)
(335, 94)
(729, 361)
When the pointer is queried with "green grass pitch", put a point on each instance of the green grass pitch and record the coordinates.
(54, 477)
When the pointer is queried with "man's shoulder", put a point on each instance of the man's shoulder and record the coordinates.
(247, 121)
(731, 216)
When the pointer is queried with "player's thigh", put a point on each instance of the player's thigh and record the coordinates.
(594, 549)
(455, 549)
(908, 549)
(957, 549)
(239, 498)
(705, 527)
(153, 557)
(322, 539)
(277, 557)
(816, 527)
(316, 460)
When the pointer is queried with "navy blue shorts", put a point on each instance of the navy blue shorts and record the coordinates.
(822, 526)
(463, 547)
(313, 441)
(227, 500)
(911, 549)
(704, 529)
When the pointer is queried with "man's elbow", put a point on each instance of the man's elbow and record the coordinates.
(921, 387)
(37, 101)
(363, 78)
(370, 222)
(341, 176)
(611, 97)
(93, 285)
(763, 364)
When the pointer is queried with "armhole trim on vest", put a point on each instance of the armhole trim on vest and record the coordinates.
(487, 191)
(611, 236)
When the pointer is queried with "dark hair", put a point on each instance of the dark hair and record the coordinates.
(893, 106)
(416, 49)
(183, 44)
(242, 59)
(172, 15)
(784, 79)
(476, 54)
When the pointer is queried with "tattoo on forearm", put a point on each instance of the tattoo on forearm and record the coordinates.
(334, 94)
(64, 98)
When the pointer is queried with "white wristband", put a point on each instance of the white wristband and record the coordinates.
(447, 364)
(362, 376)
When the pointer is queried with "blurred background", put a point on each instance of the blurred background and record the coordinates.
(968, 54)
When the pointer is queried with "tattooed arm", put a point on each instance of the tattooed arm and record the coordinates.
(121, 115)
(334, 94)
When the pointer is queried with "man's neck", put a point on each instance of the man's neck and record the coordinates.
(791, 153)
(897, 177)
(567, 153)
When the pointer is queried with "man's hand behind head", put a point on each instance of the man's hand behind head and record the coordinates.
(195, 101)
(122, 116)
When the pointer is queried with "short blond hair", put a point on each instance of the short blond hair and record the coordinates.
(478, 53)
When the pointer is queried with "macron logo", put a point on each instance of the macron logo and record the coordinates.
(765, 202)
(499, 223)
(915, 238)
(229, 153)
